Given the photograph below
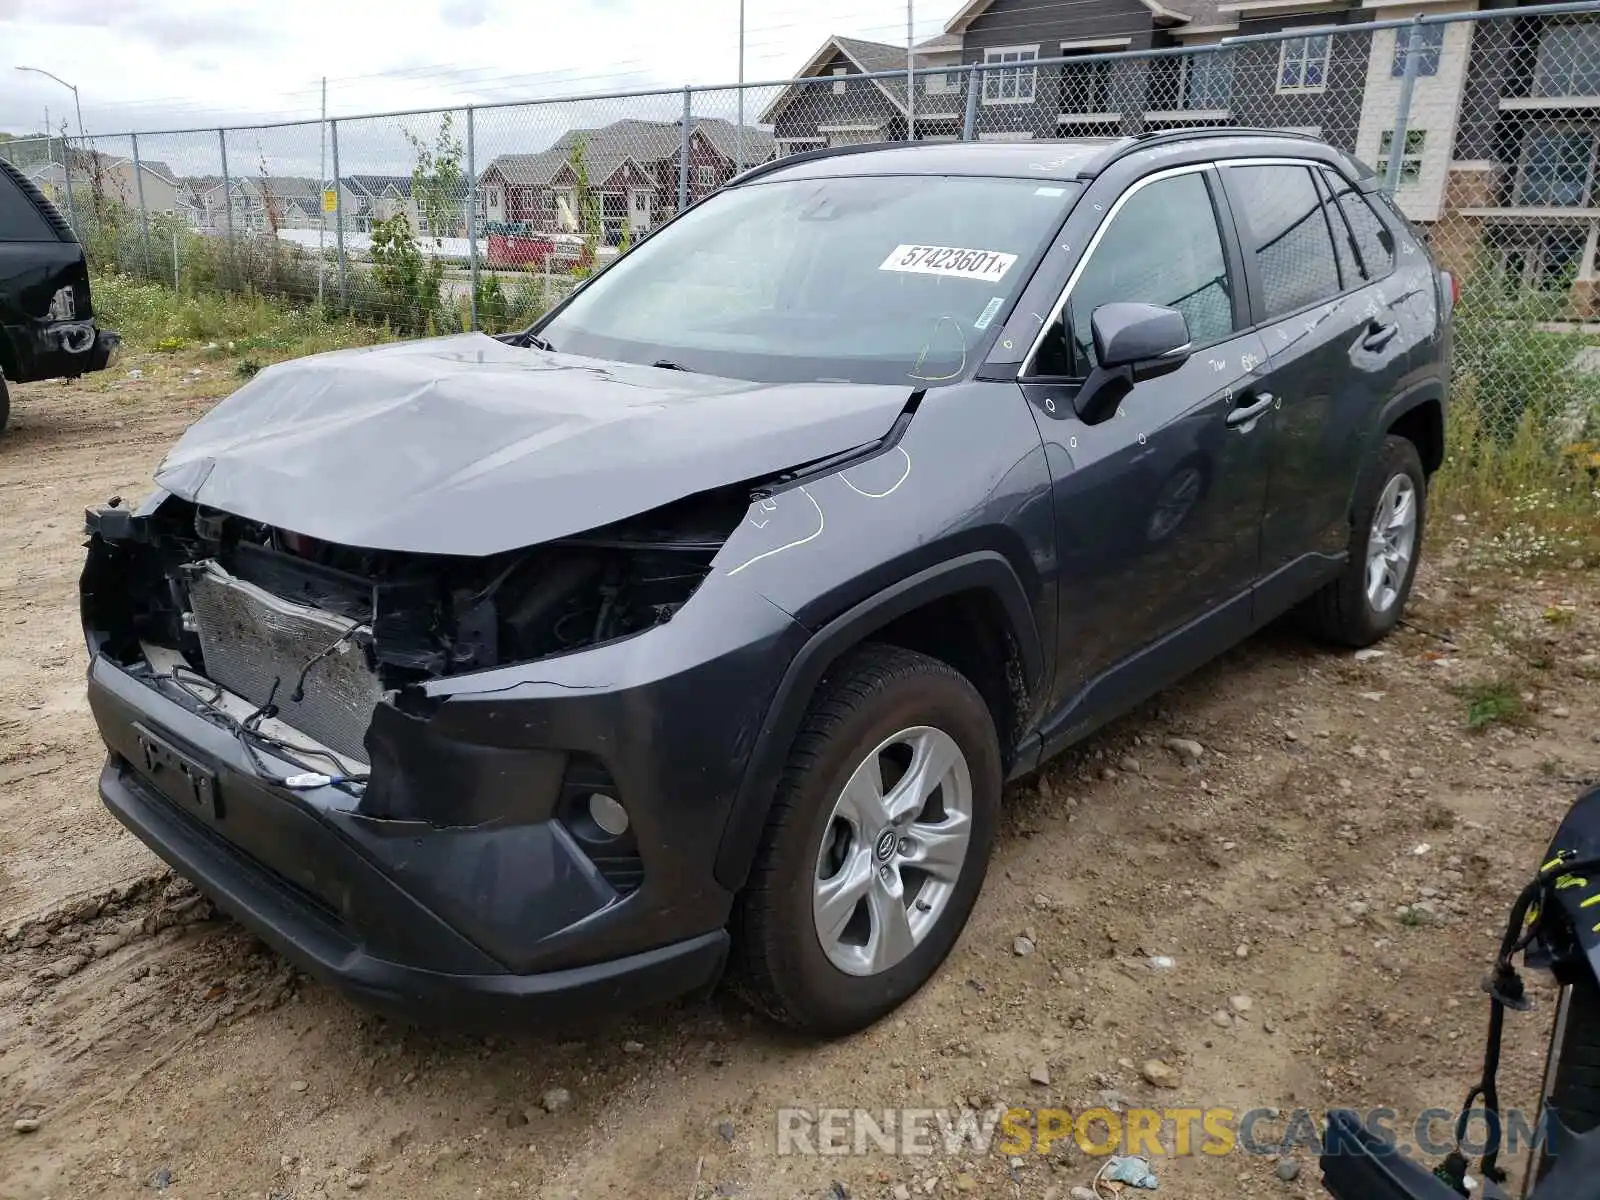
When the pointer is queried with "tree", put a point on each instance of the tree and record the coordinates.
(436, 180)
(589, 220)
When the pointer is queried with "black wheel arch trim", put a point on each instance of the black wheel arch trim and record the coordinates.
(986, 570)
(1428, 391)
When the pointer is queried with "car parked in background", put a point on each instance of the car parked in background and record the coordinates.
(705, 619)
(47, 327)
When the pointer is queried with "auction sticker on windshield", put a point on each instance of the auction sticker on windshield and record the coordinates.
(956, 261)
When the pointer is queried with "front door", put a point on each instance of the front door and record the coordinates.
(1158, 508)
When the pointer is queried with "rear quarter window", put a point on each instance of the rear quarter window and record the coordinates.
(20, 218)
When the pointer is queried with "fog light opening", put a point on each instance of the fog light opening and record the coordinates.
(608, 814)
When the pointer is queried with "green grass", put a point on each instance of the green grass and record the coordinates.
(153, 318)
(1493, 702)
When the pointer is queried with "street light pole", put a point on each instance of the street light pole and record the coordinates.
(72, 214)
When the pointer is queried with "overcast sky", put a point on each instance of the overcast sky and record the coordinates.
(163, 64)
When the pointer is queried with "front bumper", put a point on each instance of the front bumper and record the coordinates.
(496, 913)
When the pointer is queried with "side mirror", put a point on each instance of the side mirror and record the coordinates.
(1134, 342)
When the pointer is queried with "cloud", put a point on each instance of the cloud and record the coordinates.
(464, 13)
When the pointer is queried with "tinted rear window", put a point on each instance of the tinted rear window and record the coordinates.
(20, 221)
(1373, 241)
(1289, 236)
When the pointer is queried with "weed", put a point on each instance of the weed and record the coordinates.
(247, 368)
(1493, 701)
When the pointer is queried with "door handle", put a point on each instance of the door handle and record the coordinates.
(1249, 412)
(1379, 336)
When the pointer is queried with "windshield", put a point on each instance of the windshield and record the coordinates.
(881, 279)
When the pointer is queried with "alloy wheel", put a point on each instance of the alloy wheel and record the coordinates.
(893, 850)
(1391, 542)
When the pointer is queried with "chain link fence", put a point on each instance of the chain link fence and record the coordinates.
(1484, 126)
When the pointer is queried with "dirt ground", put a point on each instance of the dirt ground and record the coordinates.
(1336, 864)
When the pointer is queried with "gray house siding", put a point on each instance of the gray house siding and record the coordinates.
(817, 104)
(1070, 88)
(1335, 111)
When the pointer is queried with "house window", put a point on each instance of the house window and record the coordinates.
(1303, 64)
(1208, 81)
(788, 146)
(942, 84)
(838, 80)
(705, 176)
(1545, 263)
(1569, 60)
(1430, 38)
(1410, 161)
(1085, 86)
(1557, 168)
(1013, 84)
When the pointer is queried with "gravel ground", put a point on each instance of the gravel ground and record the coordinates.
(1327, 878)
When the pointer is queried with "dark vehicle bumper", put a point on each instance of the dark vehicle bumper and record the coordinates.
(502, 912)
(56, 350)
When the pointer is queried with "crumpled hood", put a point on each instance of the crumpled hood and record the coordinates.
(467, 445)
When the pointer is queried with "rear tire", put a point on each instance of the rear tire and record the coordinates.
(1368, 599)
(916, 745)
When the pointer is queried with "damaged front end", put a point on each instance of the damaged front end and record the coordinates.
(407, 770)
(317, 636)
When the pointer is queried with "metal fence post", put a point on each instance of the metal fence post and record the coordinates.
(72, 206)
(1408, 83)
(227, 184)
(683, 151)
(970, 119)
(338, 210)
(144, 215)
(472, 215)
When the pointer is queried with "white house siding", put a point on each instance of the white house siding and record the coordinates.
(1435, 105)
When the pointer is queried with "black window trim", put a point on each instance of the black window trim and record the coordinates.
(1356, 192)
(1260, 322)
(1231, 253)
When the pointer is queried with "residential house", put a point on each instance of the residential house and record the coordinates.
(117, 181)
(1501, 153)
(366, 200)
(1516, 175)
(632, 167)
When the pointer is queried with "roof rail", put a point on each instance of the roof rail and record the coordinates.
(1142, 141)
(766, 168)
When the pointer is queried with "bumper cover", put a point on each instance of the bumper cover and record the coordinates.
(454, 888)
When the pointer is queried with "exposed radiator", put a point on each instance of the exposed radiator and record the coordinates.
(251, 638)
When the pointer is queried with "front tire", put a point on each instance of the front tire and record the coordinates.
(877, 844)
(1367, 601)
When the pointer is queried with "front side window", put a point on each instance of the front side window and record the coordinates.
(1161, 247)
(1208, 81)
(862, 279)
(1010, 84)
(1430, 40)
(1303, 64)
(1557, 168)
(1569, 60)
(1288, 236)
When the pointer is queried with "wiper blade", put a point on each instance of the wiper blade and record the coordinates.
(666, 364)
(527, 340)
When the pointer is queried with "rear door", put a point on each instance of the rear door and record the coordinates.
(1337, 349)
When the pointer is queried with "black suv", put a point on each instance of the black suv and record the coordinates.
(706, 618)
(47, 326)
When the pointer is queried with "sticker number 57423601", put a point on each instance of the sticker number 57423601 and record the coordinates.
(987, 265)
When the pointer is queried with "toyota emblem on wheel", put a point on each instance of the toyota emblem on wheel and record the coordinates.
(887, 841)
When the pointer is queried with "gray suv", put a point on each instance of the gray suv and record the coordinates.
(702, 622)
